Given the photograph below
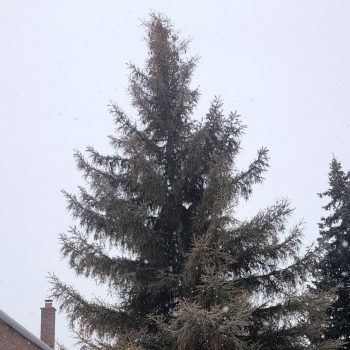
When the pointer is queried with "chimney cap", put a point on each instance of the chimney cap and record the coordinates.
(48, 304)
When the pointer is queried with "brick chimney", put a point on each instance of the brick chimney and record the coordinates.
(47, 333)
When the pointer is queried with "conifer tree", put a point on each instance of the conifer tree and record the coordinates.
(334, 268)
(157, 226)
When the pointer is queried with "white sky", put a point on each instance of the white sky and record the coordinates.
(283, 65)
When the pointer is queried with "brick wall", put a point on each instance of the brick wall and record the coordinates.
(12, 340)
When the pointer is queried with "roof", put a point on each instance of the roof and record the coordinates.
(20, 329)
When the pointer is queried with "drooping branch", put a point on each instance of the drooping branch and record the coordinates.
(91, 260)
(90, 317)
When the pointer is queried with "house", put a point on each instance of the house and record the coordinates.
(13, 336)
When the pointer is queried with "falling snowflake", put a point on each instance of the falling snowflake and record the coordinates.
(145, 261)
(345, 243)
(225, 309)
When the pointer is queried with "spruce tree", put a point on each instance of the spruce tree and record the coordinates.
(157, 226)
(334, 268)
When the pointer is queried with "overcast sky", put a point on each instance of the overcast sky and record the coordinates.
(283, 65)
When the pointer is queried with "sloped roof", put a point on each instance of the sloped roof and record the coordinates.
(20, 329)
